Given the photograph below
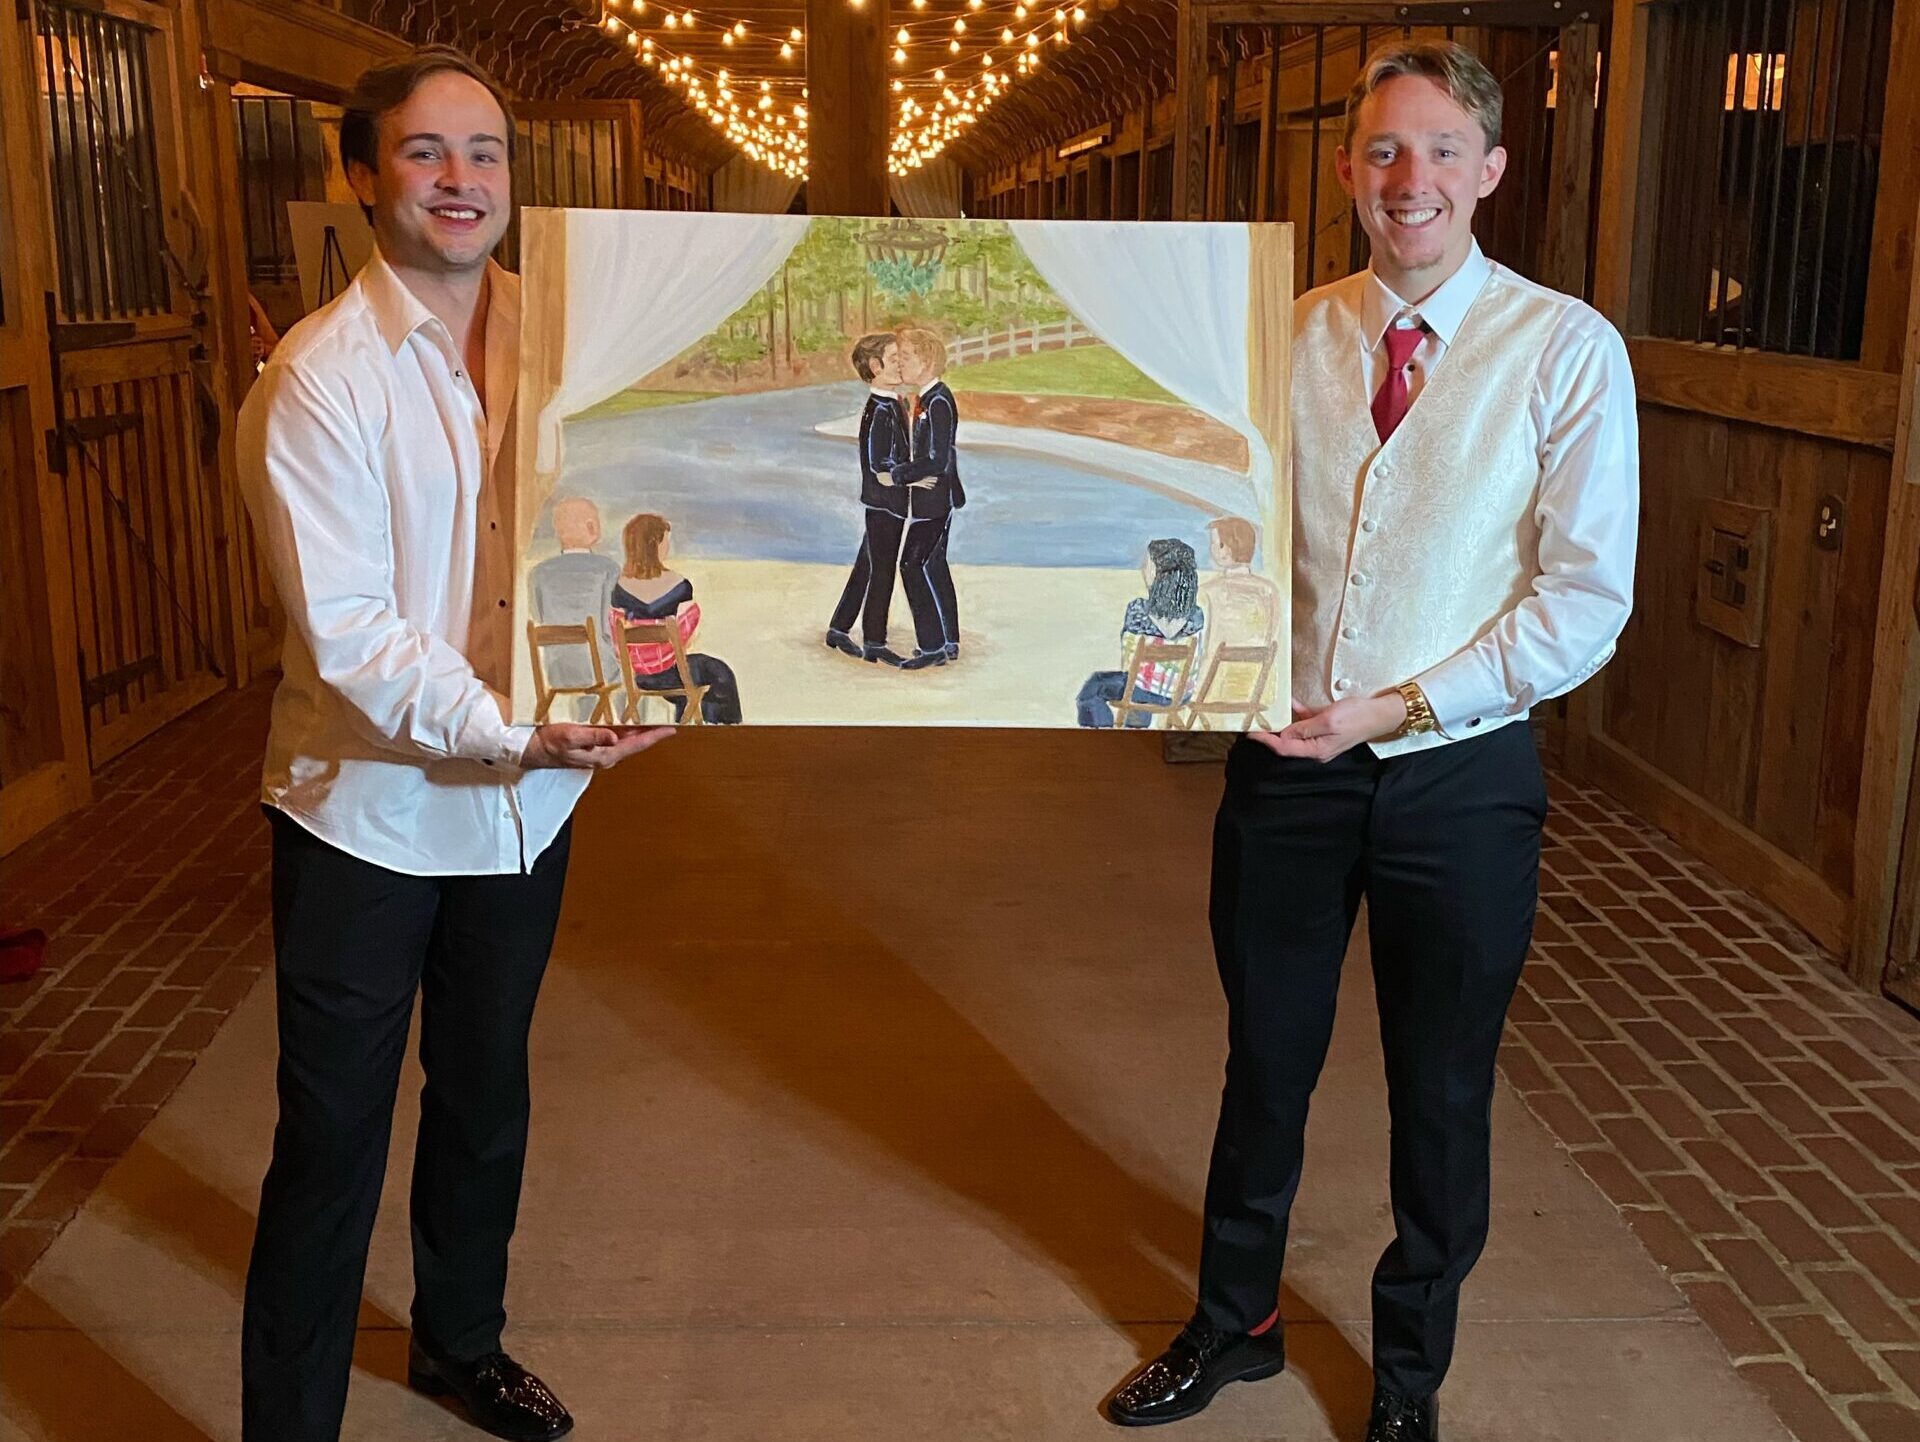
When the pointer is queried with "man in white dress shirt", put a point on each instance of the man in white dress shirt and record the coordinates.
(419, 841)
(1466, 486)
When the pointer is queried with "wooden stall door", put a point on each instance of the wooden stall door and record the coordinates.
(134, 444)
(43, 747)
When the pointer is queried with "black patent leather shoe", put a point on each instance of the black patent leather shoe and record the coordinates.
(1183, 1379)
(920, 660)
(1403, 1419)
(840, 641)
(500, 1395)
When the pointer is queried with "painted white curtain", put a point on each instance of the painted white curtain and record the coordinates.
(642, 288)
(1172, 298)
(929, 191)
(746, 185)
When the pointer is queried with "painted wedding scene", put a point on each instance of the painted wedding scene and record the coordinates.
(901, 472)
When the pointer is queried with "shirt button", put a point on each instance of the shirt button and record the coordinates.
(1474, 722)
(1347, 633)
(1342, 684)
(503, 605)
(1367, 525)
(1383, 473)
(1359, 578)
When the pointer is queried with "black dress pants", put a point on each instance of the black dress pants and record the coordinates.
(1444, 844)
(928, 581)
(868, 595)
(353, 942)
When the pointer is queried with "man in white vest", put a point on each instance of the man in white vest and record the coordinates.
(1466, 487)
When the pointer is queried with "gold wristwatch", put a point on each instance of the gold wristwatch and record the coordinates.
(1419, 713)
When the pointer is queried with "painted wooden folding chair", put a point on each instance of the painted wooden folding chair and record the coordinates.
(587, 634)
(628, 634)
(1234, 686)
(1175, 660)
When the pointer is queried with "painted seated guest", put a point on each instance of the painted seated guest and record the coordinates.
(572, 588)
(1243, 607)
(648, 591)
(1168, 612)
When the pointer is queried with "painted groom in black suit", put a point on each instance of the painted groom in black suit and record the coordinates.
(884, 444)
(931, 478)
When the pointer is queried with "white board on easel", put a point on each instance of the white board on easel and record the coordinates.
(331, 241)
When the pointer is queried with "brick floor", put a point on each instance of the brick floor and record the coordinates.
(155, 901)
(1755, 1118)
(1753, 1115)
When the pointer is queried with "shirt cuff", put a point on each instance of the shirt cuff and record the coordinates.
(513, 744)
(1460, 700)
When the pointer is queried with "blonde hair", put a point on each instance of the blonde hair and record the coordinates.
(1453, 67)
(927, 345)
(642, 538)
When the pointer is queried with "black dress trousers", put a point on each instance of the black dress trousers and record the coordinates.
(353, 944)
(1444, 844)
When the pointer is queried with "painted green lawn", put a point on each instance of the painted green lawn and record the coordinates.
(621, 402)
(1094, 370)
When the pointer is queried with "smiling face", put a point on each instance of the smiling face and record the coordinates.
(442, 195)
(1416, 167)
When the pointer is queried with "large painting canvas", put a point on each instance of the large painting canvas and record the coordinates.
(781, 469)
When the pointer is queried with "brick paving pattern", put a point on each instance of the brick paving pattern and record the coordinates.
(1754, 1117)
(155, 902)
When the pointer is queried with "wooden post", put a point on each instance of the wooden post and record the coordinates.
(1190, 123)
(1629, 186)
(633, 149)
(1570, 184)
(1893, 706)
(1894, 230)
(847, 107)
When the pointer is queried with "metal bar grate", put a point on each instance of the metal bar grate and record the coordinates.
(102, 162)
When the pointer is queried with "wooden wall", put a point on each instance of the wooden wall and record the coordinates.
(1786, 762)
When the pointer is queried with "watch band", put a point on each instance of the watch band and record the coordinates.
(1419, 712)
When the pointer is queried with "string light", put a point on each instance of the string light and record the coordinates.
(921, 131)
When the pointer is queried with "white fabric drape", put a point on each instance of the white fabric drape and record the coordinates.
(641, 288)
(1173, 299)
(746, 185)
(930, 191)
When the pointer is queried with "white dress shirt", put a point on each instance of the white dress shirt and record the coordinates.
(366, 458)
(1585, 425)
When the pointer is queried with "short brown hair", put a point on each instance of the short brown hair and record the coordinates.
(383, 87)
(642, 538)
(926, 344)
(868, 351)
(1453, 67)
(1236, 537)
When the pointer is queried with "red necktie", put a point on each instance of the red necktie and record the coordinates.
(1390, 401)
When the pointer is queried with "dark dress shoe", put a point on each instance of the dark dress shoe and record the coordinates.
(1182, 1379)
(1403, 1419)
(921, 659)
(885, 655)
(500, 1395)
(841, 641)
(953, 650)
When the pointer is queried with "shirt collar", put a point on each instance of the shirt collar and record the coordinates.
(882, 393)
(1444, 311)
(927, 389)
(398, 312)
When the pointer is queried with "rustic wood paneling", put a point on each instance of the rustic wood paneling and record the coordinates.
(1770, 736)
